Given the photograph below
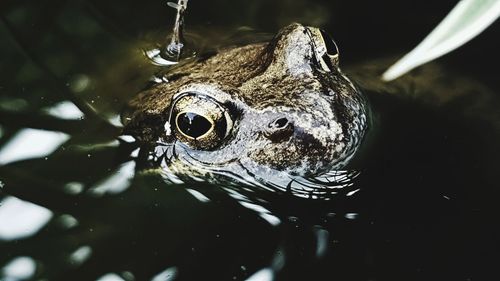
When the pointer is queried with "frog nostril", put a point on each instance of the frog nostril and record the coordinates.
(279, 130)
(279, 123)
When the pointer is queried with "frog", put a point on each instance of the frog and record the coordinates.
(278, 112)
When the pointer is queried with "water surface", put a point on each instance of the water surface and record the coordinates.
(78, 202)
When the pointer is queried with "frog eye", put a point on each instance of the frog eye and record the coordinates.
(329, 58)
(200, 121)
(331, 47)
(193, 126)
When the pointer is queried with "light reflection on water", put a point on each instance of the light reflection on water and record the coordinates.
(80, 255)
(168, 274)
(20, 219)
(264, 274)
(117, 182)
(111, 277)
(64, 110)
(31, 143)
(20, 268)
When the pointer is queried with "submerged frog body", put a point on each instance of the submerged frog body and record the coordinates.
(280, 111)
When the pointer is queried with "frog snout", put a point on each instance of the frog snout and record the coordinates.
(279, 129)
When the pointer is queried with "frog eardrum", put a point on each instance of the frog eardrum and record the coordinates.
(199, 121)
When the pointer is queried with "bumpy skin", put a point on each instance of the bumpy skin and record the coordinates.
(259, 84)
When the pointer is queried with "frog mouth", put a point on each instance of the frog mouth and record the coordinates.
(184, 167)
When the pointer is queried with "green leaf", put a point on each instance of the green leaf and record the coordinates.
(467, 19)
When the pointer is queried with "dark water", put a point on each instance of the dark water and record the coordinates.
(427, 206)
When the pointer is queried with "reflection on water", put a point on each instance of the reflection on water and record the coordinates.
(111, 277)
(265, 274)
(20, 219)
(80, 255)
(20, 268)
(64, 110)
(31, 143)
(117, 182)
(179, 166)
(168, 275)
(79, 201)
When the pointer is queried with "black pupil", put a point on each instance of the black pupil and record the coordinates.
(331, 48)
(193, 125)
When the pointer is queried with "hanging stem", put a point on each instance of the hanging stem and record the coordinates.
(174, 49)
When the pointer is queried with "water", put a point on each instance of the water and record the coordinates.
(74, 206)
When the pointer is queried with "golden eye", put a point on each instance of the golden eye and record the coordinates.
(193, 125)
(331, 47)
(200, 121)
(330, 59)
(326, 50)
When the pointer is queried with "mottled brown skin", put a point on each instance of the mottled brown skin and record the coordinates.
(258, 84)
